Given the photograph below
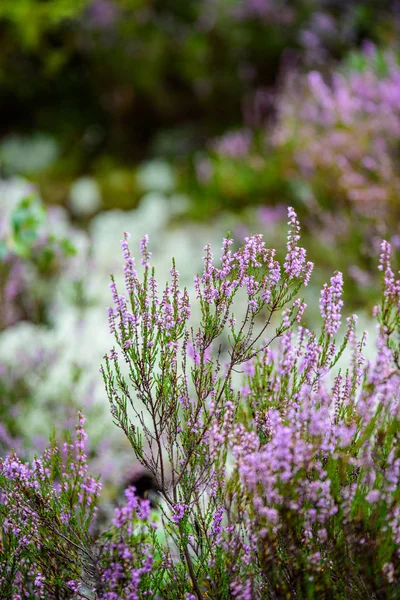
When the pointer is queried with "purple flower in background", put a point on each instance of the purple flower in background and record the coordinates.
(270, 11)
(271, 215)
(241, 590)
(361, 276)
(235, 144)
(345, 131)
(204, 170)
(102, 14)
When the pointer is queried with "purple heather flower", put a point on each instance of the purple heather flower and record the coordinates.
(367, 102)
(235, 144)
(146, 255)
(131, 278)
(39, 585)
(216, 527)
(179, 512)
(114, 292)
(295, 261)
(73, 586)
(391, 287)
(113, 355)
(102, 14)
(331, 304)
(373, 496)
(241, 590)
(111, 320)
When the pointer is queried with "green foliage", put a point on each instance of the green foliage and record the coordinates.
(32, 20)
(28, 246)
(26, 221)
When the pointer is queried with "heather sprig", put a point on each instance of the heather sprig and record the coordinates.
(388, 312)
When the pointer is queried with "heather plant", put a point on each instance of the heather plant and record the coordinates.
(270, 488)
(46, 511)
(332, 146)
(50, 543)
(274, 448)
(343, 133)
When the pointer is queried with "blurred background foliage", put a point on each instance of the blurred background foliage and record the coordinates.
(194, 118)
(98, 85)
(95, 87)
